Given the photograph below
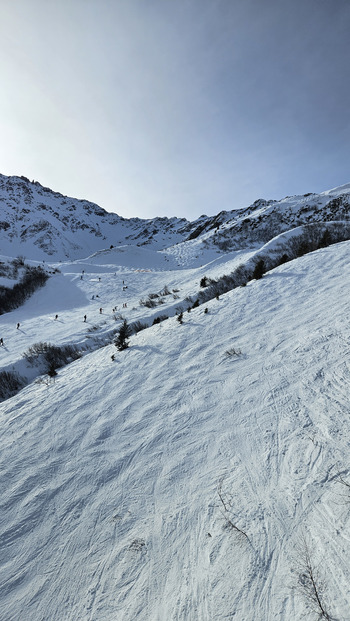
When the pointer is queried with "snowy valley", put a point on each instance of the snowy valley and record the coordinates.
(202, 473)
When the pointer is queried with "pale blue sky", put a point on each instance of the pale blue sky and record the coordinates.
(176, 107)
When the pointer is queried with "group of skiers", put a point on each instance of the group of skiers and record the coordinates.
(85, 316)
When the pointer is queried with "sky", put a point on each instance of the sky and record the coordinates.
(176, 107)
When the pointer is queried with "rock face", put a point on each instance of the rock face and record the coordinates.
(45, 225)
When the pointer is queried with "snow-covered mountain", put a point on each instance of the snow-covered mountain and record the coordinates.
(203, 473)
(42, 224)
(45, 225)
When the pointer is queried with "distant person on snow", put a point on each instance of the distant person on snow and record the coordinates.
(85, 318)
(101, 309)
(18, 325)
(56, 317)
(1, 341)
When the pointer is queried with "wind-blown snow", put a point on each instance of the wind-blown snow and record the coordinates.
(109, 475)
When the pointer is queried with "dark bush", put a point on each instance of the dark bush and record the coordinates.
(259, 269)
(165, 291)
(33, 279)
(10, 383)
(51, 356)
(137, 326)
(122, 342)
(180, 318)
(159, 319)
(149, 302)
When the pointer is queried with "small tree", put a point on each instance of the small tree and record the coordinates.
(122, 342)
(309, 582)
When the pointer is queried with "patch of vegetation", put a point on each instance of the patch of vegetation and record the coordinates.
(10, 384)
(32, 279)
(180, 318)
(51, 357)
(159, 319)
(233, 352)
(122, 340)
(137, 326)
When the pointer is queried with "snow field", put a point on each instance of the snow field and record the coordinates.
(109, 476)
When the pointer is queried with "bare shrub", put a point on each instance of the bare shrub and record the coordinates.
(148, 303)
(10, 384)
(226, 511)
(310, 584)
(204, 282)
(159, 319)
(346, 485)
(165, 291)
(95, 327)
(232, 352)
(50, 356)
(137, 326)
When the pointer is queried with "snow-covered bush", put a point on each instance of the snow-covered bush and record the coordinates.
(149, 302)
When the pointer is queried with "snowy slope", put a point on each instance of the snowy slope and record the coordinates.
(110, 475)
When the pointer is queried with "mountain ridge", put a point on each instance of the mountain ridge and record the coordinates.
(42, 224)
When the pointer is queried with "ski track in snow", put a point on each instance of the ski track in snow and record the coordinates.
(109, 476)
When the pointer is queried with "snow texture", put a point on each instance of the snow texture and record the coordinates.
(188, 478)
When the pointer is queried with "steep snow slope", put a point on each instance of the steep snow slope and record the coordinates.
(109, 476)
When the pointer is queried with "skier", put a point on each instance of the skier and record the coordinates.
(101, 311)
(85, 318)
(56, 317)
(18, 325)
